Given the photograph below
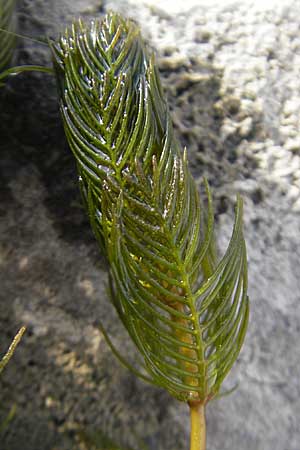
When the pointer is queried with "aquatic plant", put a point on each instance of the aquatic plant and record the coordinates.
(186, 312)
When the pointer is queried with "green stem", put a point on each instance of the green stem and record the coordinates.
(198, 426)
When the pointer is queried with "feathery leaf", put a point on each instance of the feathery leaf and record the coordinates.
(186, 312)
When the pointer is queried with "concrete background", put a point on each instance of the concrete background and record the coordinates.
(231, 73)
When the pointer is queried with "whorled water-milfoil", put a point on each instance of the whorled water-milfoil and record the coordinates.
(186, 312)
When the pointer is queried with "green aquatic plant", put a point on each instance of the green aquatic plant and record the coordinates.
(186, 312)
(7, 39)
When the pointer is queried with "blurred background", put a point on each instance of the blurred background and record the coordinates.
(230, 70)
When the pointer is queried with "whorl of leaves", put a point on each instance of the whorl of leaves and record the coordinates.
(7, 40)
(186, 313)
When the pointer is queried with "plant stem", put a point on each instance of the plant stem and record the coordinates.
(198, 427)
(12, 348)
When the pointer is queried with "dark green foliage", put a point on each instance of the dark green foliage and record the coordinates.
(186, 312)
(7, 40)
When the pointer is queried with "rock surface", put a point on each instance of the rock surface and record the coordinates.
(231, 73)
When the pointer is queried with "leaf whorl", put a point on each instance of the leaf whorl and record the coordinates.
(7, 40)
(186, 313)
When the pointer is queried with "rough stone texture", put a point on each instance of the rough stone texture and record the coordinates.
(231, 72)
